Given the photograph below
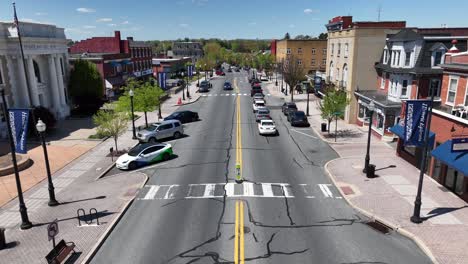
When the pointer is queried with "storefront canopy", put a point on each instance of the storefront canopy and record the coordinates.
(456, 160)
(399, 131)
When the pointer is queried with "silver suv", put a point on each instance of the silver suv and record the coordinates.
(161, 130)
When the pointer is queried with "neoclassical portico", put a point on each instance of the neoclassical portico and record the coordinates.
(39, 80)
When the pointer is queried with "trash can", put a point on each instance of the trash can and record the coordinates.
(324, 127)
(370, 173)
(2, 238)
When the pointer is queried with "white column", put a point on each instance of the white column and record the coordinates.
(33, 82)
(54, 89)
(59, 80)
(12, 71)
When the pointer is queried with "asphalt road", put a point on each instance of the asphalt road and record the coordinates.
(286, 211)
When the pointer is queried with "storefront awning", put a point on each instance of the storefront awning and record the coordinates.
(456, 160)
(114, 63)
(126, 62)
(399, 131)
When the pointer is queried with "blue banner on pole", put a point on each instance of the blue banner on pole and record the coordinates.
(317, 82)
(162, 80)
(19, 127)
(190, 70)
(416, 114)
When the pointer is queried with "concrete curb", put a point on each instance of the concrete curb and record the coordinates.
(111, 227)
(188, 102)
(104, 172)
(370, 215)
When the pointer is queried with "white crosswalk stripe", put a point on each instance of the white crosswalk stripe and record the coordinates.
(228, 94)
(234, 190)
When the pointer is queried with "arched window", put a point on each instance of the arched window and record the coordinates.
(37, 72)
(345, 74)
(331, 70)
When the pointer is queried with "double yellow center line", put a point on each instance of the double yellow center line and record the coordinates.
(239, 257)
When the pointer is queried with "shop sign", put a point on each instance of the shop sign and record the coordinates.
(459, 144)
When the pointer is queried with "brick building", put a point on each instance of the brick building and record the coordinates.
(450, 122)
(310, 53)
(139, 52)
(181, 49)
(408, 68)
(353, 49)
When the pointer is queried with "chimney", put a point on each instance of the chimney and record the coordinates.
(454, 48)
(117, 34)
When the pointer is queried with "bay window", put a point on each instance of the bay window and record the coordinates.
(452, 91)
(404, 89)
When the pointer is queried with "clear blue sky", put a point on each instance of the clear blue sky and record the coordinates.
(172, 19)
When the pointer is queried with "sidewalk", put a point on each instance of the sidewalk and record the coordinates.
(76, 186)
(390, 197)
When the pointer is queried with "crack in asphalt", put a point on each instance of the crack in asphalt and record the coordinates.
(271, 252)
(213, 255)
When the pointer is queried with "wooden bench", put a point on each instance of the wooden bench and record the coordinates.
(60, 252)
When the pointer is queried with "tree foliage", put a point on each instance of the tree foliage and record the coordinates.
(111, 124)
(293, 73)
(85, 85)
(287, 36)
(333, 105)
(323, 36)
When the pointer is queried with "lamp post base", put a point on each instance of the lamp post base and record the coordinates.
(416, 219)
(26, 225)
(53, 203)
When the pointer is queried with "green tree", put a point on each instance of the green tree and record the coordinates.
(111, 124)
(333, 105)
(293, 73)
(287, 36)
(146, 98)
(85, 85)
(323, 36)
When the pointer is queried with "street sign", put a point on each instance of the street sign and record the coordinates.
(459, 144)
(52, 230)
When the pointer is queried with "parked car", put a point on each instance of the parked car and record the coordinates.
(229, 70)
(237, 70)
(183, 116)
(258, 104)
(262, 113)
(161, 130)
(298, 118)
(220, 72)
(227, 86)
(264, 78)
(286, 107)
(204, 87)
(267, 127)
(144, 154)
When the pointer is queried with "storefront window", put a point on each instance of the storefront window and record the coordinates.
(410, 150)
(362, 112)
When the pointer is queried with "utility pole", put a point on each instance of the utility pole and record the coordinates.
(379, 12)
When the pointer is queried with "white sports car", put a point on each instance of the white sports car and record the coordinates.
(267, 127)
(144, 154)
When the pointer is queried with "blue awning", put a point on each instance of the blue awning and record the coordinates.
(399, 131)
(114, 63)
(456, 160)
(126, 62)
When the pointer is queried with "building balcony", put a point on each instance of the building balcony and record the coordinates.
(457, 113)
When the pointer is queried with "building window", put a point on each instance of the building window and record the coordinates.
(398, 54)
(437, 57)
(1, 78)
(61, 66)
(313, 51)
(385, 56)
(324, 61)
(312, 62)
(407, 58)
(345, 75)
(337, 76)
(452, 91)
(346, 50)
(37, 72)
(299, 50)
(331, 71)
(299, 62)
(435, 87)
(332, 49)
(324, 51)
(466, 95)
(382, 81)
(338, 52)
(288, 51)
(404, 89)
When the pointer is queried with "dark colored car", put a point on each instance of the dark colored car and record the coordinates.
(298, 118)
(229, 70)
(227, 86)
(237, 70)
(183, 116)
(287, 107)
(256, 90)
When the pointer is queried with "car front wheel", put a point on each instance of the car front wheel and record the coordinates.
(177, 135)
(132, 165)
(152, 140)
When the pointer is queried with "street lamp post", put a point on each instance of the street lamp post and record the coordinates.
(276, 76)
(25, 223)
(416, 218)
(307, 91)
(133, 113)
(371, 108)
(183, 87)
(198, 77)
(204, 68)
(188, 93)
(41, 127)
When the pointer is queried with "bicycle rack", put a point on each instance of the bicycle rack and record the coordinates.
(87, 218)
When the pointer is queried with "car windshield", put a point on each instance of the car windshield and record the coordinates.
(263, 112)
(136, 150)
(299, 114)
(267, 123)
(152, 127)
(260, 104)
